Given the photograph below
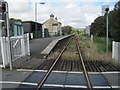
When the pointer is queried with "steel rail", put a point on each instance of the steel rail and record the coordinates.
(89, 84)
(40, 84)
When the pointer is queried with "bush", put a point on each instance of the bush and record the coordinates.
(100, 44)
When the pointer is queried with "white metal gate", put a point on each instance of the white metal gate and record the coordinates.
(19, 48)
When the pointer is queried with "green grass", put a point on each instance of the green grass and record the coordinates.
(100, 44)
(85, 42)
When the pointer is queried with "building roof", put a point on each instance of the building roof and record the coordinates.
(29, 22)
(52, 19)
(49, 20)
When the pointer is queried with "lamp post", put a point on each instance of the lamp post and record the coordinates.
(36, 16)
(107, 9)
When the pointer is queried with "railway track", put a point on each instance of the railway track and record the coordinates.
(72, 64)
(68, 66)
(69, 63)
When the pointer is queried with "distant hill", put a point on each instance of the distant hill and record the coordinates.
(80, 28)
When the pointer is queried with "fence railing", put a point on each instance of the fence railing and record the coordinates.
(19, 48)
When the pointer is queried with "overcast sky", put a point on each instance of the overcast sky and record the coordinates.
(77, 13)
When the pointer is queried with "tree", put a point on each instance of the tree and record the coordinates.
(75, 31)
(117, 6)
(66, 30)
(116, 22)
(98, 27)
(12, 21)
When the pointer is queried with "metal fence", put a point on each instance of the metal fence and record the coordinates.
(19, 48)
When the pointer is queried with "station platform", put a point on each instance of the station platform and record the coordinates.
(38, 45)
(49, 48)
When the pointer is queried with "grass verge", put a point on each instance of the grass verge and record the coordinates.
(95, 50)
(100, 44)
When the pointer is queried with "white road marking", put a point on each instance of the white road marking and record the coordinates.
(55, 85)
(14, 82)
(115, 86)
(101, 87)
(10, 82)
(74, 72)
(75, 86)
(65, 71)
(29, 83)
(30, 70)
(110, 72)
(94, 73)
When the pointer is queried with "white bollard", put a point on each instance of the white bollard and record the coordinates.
(116, 51)
(92, 38)
(28, 45)
(113, 49)
(31, 35)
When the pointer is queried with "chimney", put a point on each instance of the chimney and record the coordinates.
(56, 18)
(51, 16)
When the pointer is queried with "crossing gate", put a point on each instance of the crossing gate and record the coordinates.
(19, 48)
